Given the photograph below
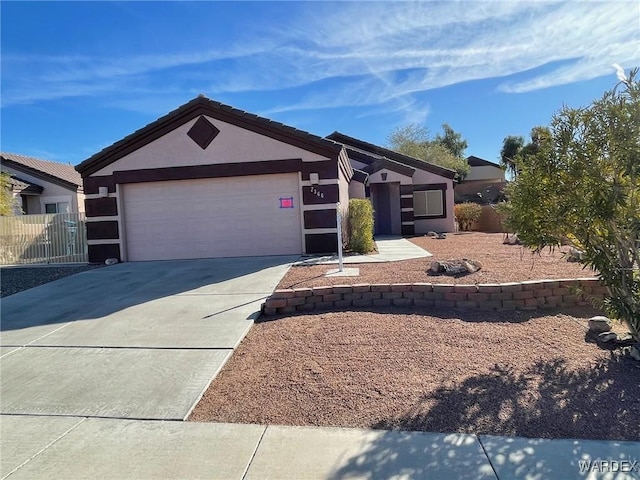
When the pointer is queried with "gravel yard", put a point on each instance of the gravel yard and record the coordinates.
(500, 263)
(17, 279)
(516, 373)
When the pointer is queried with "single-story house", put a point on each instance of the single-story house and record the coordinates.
(409, 196)
(484, 184)
(40, 186)
(209, 180)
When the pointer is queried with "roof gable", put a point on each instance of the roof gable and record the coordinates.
(24, 186)
(480, 162)
(54, 172)
(366, 148)
(385, 163)
(202, 105)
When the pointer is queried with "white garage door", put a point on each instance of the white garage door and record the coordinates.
(221, 217)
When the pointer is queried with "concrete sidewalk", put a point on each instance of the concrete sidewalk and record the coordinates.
(75, 447)
(390, 249)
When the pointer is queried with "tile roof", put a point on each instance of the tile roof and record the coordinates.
(372, 150)
(201, 105)
(43, 168)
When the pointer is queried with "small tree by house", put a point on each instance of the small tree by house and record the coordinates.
(7, 202)
(466, 214)
(580, 181)
(360, 226)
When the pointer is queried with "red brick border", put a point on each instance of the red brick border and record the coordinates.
(529, 295)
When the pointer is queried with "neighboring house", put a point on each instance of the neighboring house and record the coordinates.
(484, 170)
(209, 180)
(40, 186)
(484, 184)
(409, 196)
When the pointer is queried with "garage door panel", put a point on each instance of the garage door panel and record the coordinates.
(212, 218)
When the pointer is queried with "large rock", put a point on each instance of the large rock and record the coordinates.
(511, 239)
(607, 337)
(599, 324)
(454, 269)
(472, 266)
(635, 352)
(625, 340)
(574, 255)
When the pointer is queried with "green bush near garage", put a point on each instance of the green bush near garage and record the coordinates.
(360, 226)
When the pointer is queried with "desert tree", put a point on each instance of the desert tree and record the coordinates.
(511, 147)
(580, 182)
(413, 140)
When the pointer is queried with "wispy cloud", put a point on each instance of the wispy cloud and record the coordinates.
(360, 54)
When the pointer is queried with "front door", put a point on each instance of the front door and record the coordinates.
(382, 205)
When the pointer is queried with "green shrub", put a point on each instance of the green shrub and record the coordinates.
(360, 225)
(467, 213)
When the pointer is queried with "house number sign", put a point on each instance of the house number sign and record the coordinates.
(317, 192)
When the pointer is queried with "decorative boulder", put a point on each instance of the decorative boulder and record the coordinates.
(635, 352)
(436, 267)
(574, 255)
(625, 340)
(454, 269)
(599, 324)
(607, 337)
(432, 234)
(472, 266)
(511, 239)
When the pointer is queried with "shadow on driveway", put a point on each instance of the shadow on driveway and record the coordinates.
(101, 292)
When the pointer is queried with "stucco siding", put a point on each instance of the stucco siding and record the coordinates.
(232, 145)
(391, 177)
(422, 177)
(356, 190)
(487, 173)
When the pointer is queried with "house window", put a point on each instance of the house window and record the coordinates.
(428, 203)
(59, 207)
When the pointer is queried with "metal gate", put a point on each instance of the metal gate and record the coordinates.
(51, 238)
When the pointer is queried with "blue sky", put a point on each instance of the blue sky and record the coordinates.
(78, 76)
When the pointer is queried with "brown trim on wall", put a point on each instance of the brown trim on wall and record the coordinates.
(406, 202)
(99, 253)
(327, 170)
(101, 207)
(320, 194)
(344, 164)
(408, 229)
(215, 110)
(320, 219)
(107, 230)
(218, 170)
(406, 216)
(406, 189)
(359, 176)
(91, 184)
(429, 186)
(321, 242)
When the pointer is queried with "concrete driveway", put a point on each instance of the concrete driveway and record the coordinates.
(135, 340)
